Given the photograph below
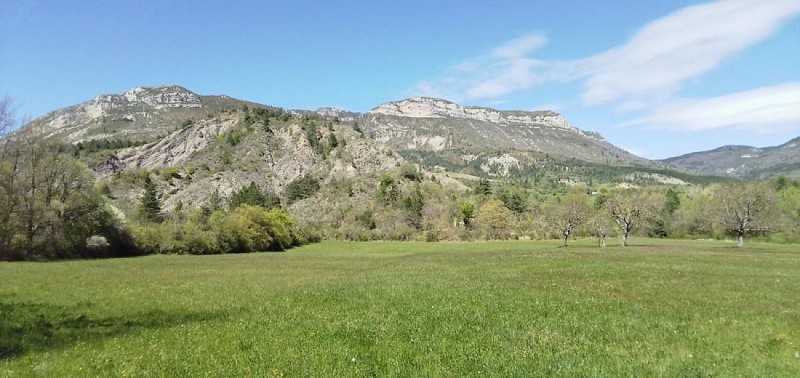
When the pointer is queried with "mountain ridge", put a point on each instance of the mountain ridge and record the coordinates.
(430, 131)
(742, 161)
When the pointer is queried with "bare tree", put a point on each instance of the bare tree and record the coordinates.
(9, 162)
(628, 208)
(742, 208)
(568, 214)
(40, 185)
(6, 115)
(600, 227)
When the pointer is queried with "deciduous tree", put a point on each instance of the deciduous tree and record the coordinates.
(569, 213)
(494, 219)
(744, 207)
(601, 228)
(629, 208)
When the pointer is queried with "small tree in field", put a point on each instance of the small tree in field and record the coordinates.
(494, 219)
(600, 226)
(740, 208)
(568, 214)
(629, 208)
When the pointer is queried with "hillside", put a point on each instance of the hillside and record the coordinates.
(422, 169)
(140, 114)
(201, 144)
(428, 124)
(230, 150)
(743, 161)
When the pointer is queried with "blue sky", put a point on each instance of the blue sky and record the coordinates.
(659, 78)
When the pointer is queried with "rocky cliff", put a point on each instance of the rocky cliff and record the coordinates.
(431, 124)
(138, 114)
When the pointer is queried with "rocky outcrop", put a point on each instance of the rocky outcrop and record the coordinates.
(179, 146)
(427, 107)
(430, 124)
(138, 114)
(170, 96)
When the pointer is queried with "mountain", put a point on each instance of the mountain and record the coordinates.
(200, 144)
(140, 114)
(743, 161)
(477, 141)
(416, 124)
(429, 124)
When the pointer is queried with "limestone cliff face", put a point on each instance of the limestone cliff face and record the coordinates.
(163, 97)
(140, 113)
(426, 107)
(431, 124)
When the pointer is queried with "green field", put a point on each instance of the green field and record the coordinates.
(659, 307)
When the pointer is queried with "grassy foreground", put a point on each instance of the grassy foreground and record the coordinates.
(356, 309)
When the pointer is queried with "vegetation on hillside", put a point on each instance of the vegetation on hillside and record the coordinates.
(53, 208)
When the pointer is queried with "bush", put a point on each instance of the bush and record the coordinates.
(252, 195)
(150, 238)
(198, 240)
(281, 227)
(301, 188)
(409, 172)
(97, 244)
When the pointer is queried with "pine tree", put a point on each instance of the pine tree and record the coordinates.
(215, 202)
(150, 208)
(484, 187)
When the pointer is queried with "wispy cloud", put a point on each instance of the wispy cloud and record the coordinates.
(504, 70)
(646, 73)
(681, 46)
(762, 110)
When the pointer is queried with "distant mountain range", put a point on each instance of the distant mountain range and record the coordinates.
(743, 161)
(180, 128)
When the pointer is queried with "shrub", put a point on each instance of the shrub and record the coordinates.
(301, 188)
(409, 172)
(252, 195)
(281, 225)
(97, 244)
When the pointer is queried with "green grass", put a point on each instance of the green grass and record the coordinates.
(672, 308)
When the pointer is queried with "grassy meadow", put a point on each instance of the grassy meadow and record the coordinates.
(520, 308)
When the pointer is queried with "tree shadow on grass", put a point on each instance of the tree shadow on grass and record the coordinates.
(28, 327)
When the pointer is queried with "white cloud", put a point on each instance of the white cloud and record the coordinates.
(645, 74)
(681, 46)
(520, 47)
(761, 111)
(504, 70)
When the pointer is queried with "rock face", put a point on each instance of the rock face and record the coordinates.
(426, 107)
(163, 97)
(430, 124)
(138, 114)
(743, 161)
(271, 156)
(179, 146)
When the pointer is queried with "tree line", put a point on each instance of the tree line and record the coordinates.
(407, 205)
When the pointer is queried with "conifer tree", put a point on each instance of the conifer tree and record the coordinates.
(150, 207)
